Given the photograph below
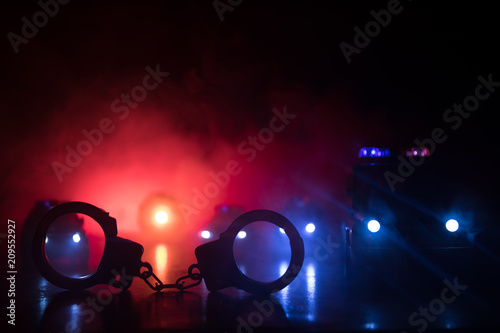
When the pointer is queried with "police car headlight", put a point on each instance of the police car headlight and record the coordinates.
(310, 227)
(452, 225)
(373, 226)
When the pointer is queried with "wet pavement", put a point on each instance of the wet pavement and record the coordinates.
(386, 291)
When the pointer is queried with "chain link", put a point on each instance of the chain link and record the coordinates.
(193, 276)
(179, 284)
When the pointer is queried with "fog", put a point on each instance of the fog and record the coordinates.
(224, 81)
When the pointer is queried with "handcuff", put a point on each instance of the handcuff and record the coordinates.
(122, 257)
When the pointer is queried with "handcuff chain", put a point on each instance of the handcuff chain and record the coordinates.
(193, 276)
(179, 284)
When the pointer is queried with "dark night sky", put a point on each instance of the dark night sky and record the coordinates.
(225, 78)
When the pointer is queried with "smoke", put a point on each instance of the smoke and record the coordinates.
(222, 88)
(172, 142)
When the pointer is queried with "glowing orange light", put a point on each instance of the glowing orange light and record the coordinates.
(161, 217)
(161, 259)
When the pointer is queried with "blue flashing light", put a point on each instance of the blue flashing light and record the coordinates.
(452, 225)
(310, 227)
(242, 234)
(373, 152)
(373, 226)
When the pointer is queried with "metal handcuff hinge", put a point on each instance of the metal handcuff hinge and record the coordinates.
(121, 258)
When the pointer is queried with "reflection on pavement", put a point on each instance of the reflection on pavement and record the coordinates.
(320, 297)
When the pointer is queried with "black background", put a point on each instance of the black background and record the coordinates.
(225, 77)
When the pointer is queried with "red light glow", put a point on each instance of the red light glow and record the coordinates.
(161, 217)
